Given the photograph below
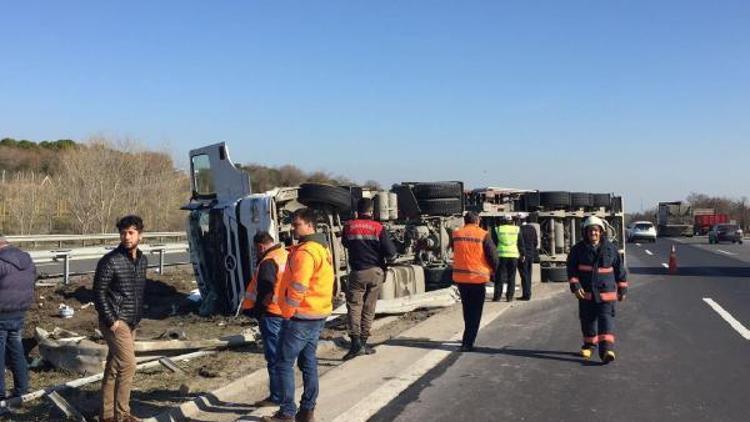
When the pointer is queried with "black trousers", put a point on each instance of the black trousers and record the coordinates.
(597, 324)
(505, 274)
(472, 302)
(524, 268)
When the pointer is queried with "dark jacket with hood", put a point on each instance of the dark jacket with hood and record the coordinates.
(17, 278)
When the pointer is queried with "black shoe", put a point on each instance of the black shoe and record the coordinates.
(526, 298)
(366, 347)
(355, 350)
(509, 298)
(278, 417)
(496, 299)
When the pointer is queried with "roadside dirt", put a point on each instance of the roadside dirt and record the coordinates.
(158, 389)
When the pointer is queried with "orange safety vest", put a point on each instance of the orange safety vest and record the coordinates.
(470, 266)
(279, 257)
(307, 284)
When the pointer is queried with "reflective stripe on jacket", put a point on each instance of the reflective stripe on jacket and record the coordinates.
(470, 263)
(279, 257)
(308, 281)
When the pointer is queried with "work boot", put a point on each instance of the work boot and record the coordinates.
(103, 419)
(368, 350)
(355, 349)
(129, 418)
(278, 417)
(608, 357)
(305, 416)
(586, 352)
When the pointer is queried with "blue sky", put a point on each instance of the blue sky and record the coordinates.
(643, 98)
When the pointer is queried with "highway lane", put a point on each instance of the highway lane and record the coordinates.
(678, 359)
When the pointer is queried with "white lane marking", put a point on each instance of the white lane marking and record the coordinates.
(665, 265)
(638, 244)
(725, 252)
(744, 332)
(649, 252)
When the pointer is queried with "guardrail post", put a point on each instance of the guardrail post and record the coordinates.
(161, 261)
(66, 266)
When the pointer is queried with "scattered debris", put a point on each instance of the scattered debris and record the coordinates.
(65, 311)
(67, 408)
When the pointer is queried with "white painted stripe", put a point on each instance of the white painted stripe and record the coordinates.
(638, 244)
(649, 252)
(665, 265)
(725, 252)
(371, 404)
(744, 332)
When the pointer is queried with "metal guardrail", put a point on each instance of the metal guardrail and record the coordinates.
(59, 238)
(65, 256)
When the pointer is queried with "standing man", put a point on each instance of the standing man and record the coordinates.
(306, 300)
(598, 279)
(529, 254)
(474, 261)
(261, 302)
(509, 249)
(369, 248)
(17, 277)
(118, 297)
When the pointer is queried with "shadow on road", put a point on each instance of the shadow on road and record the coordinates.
(555, 355)
(694, 271)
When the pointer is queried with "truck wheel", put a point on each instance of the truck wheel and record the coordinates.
(554, 199)
(530, 201)
(581, 200)
(554, 274)
(449, 206)
(438, 190)
(602, 200)
(312, 194)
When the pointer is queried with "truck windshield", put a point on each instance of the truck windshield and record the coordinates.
(203, 178)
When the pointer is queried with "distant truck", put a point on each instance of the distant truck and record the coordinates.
(703, 223)
(674, 219)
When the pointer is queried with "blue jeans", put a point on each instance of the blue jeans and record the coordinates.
(299, 340)
(270, 328)
(11, 331)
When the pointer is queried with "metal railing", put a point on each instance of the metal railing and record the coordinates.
(65, 256)
(60, 238)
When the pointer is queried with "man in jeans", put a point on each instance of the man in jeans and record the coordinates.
(261, 302)
(306, 300)
(17, 277)
(118, 297)
(369, 248)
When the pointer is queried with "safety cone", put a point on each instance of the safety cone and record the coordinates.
(673, 261)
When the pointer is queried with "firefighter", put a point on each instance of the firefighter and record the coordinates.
(474, 261)
(261, 302)
(597, 278)
(509, 249)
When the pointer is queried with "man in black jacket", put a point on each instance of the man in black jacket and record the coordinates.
(17, 277)
(530, 242)
(118, 297)
(369, 248)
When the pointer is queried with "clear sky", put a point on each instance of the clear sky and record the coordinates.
(650, 99)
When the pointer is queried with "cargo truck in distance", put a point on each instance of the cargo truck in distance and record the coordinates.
(224, 214)
(674, 219)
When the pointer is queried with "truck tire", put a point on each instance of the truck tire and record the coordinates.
(438, 190)
(554, 274)
(531, 201)
(312, 194)
(602, 200)
(554, 199)
(581, 200)
(446, 206)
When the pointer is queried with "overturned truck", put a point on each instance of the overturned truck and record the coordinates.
(419, 217)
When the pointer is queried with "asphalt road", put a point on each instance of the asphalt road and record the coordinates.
(678, 359)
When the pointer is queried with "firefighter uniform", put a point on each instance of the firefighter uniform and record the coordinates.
(599, 271)
(474, 261)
